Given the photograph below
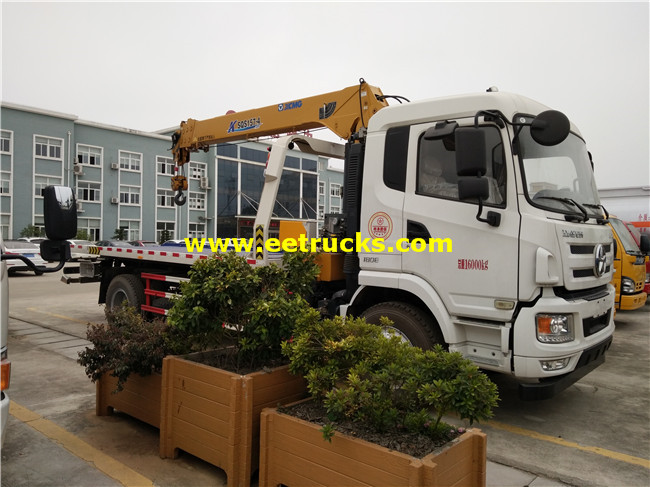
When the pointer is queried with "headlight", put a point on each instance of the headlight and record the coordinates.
(554, 328)
(627, 285)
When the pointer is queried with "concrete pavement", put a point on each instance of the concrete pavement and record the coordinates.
(54, 437)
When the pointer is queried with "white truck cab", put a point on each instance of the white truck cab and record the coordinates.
(4, 332)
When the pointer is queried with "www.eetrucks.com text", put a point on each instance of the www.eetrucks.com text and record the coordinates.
(304, 244)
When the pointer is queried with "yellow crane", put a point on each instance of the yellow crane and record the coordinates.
(345, 112)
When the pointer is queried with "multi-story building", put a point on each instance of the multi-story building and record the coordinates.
(122, 180)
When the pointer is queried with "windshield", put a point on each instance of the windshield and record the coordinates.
(624, 235)
(559, 178)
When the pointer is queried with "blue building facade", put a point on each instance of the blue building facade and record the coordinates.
(122, 180)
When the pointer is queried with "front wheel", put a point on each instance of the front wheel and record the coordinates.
(410, 323)
(125, 289)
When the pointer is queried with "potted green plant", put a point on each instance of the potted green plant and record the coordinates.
(367, 387)
(125, 363)
(212, 400)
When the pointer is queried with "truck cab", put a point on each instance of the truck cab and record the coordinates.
(522, 284)
(5, 364)
(629, 268)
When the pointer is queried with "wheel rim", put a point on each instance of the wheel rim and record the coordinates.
(119, 298)
(389, 331)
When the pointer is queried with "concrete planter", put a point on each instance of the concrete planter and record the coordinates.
(214, 414)
(294, 453)
(140, 398)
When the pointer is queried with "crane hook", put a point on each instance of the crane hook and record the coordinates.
(180, 198)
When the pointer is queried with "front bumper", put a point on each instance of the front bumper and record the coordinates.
(4, 414)
(630, 302)
(547, 388)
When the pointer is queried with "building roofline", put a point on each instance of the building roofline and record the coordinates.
(40, 111)
(115, 128)
(77, 120)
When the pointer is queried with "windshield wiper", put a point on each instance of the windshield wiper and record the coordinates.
(598, 207)
(583, 210)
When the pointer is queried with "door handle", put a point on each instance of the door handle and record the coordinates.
(416, 230)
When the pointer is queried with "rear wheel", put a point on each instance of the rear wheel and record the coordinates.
(410, 323)
(125, 289)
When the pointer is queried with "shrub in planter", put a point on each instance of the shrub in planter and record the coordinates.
(128, 346)
(375, 387)
(212, 400)
(358, 373)
(252, 309)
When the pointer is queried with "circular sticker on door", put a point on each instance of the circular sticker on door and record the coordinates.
(380, 225)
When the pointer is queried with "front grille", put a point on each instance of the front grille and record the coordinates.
(586, 249)
(591, 326)
(587, 272)
(586, 294)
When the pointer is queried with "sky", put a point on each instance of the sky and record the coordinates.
(149, 65)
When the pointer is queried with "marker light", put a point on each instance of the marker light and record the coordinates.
(5, 375)
(554, 328)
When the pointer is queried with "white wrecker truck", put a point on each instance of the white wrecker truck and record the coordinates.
(494, 239)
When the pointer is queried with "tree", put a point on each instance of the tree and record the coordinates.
(32, 231)
(164, 236)
(120, 234)
(83, 235)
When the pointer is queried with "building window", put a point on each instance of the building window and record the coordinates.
(197, 170)
(335, 209)
(91, 227)
(164, 165)
(46, 147)
(132, 229)
(335, 190)
(88, 191)
(130, 160)
(130, 195)
(40, 182)
(197, 201)
(5, 141)
(5, 182)
(164, 227)
(197, 230)
(5, 220)
(89, 155)
(165, 197)
(321, 188)
(309, 165)
(321, 212)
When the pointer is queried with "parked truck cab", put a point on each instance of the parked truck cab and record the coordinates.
(629, 268)
(4, 331)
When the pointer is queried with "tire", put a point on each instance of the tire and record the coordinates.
(125, 288)
(411, 323)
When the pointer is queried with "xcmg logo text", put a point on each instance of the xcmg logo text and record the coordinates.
(289, 106)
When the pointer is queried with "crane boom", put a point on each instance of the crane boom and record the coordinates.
(344, 112)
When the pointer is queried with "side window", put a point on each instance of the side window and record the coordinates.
(436, 171)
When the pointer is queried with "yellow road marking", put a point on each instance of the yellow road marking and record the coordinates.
(106, 464)
(559, 441)
(63, 317)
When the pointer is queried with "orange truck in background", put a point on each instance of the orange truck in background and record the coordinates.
(629, 267)
(636, 229)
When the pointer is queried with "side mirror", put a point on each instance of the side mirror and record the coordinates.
(469, 188)
(550, 128)
(470, 152)
(60, 213)
(645, 244)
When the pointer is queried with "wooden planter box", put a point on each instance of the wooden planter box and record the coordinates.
(140, 398)
(214, 414)
(293, 453)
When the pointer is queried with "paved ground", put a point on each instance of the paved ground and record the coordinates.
(595, 433)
